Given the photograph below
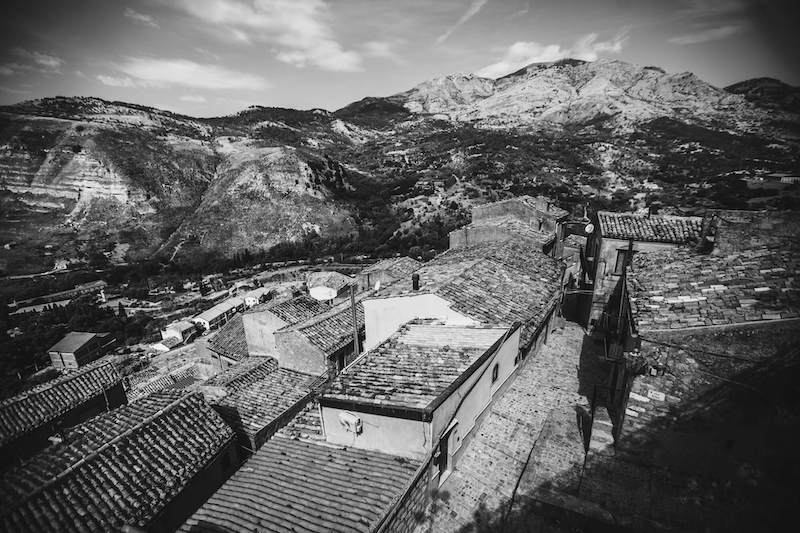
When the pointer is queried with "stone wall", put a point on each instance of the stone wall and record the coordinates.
(410, 511)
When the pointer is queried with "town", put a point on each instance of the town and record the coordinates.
(548, 372)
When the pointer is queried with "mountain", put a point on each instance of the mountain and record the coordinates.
(81, 177)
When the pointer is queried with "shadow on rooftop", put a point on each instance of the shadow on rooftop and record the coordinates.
(722, 458)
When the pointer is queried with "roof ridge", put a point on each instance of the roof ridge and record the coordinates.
(38, 389)
(83, 460)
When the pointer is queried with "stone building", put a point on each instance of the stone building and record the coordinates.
(261, 322)
(618, 236)
(386, 271)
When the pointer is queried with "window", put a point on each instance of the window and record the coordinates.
(623, 259)
(495, 372)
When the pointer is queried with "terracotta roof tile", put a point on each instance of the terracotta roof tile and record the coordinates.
(297, 309)
(298, 486)
(38, 406)
(653, 228)
(414, 367)
(121, 467)
(230, 340)
(679, 289)
(515, 226)
(254, 407)
(396, 267)
(244, 373)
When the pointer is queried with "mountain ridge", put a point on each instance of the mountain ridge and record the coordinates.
(85, 175)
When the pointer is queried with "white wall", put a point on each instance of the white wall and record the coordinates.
(396, 436)
(382, 316)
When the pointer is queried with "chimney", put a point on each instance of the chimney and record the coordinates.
(548, 206)
(415, 281)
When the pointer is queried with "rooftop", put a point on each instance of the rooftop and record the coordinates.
(542, 204)
(122, 467)
(415, 367)
(220, 308)
(35, 407)
(332, 329)
(397, 267)
(330, 279)
(651, 228)
(515, 225)
(679, 289)
(244, 373)
(72, 341)
(254, 407)
(230, 341)
(297, 309)
(291, 485)
(493, 283)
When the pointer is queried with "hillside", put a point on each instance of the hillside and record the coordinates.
(82, 176)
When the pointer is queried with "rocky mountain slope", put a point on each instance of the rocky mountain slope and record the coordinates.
(84, 178)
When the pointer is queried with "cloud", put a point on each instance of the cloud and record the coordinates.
(37, 61)
(523, 53)
(6, 70)
(153, 72)
(193, 98)
(710, 34)
(299, 33)
(113, 81)
(471, 11)
(140, 18)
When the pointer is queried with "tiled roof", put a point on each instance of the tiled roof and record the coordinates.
(297, 309)
(575, 241)
(653, 228)
(298, 486)
(306, 425)
(397, 267)
(541, 203)
(254, 407)
(244, 373)
(332, 280)
(493, 283)
(514, 225)
(333, 329)
(122, 467)
(38, 406)
(72, 341)
(679, 289)
(230, 341)
(414, 367)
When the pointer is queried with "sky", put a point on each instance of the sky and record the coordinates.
(216, 57)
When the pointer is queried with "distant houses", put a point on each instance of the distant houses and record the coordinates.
(77, 348)
(219, 314)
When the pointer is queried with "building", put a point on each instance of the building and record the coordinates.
(490, 284)
(239, 376)
(256, 296)
(257, 410)
(29, 419)
(229, 343)
(422, 388)
(322, 343)
(183, 330)
(78, 348)
(261, 323)
(536, 218)
(504, 228)
(701, 388)
(617, 236)
(147, 466)
(329, 286)
(386, 271)
(294, 485)
(219, 314)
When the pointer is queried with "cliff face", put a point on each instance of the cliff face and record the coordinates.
(82, 175)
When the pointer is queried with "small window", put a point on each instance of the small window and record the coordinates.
(495, 372)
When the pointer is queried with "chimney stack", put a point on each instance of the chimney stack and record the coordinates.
(415, 281)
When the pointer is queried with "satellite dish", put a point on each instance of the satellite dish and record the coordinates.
(589, 228)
